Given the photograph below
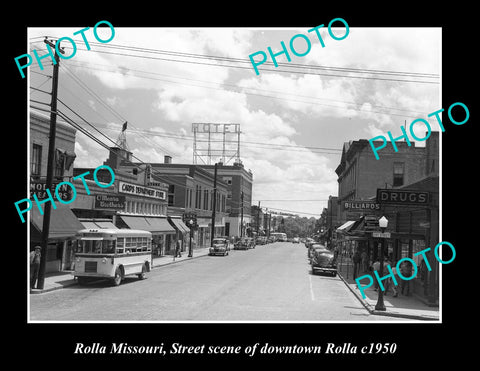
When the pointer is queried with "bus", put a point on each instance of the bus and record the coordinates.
(112, 253)
(282, 237)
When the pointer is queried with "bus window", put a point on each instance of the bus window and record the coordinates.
(130, 244)
(108, 247)
(120, 245)
(97, 247)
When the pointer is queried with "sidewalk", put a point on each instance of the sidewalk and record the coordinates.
(59, 280)
(402, 306)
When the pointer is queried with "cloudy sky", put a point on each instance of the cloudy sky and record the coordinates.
(294, 118)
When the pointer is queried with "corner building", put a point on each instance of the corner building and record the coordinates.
(413, 227)
(63, 223)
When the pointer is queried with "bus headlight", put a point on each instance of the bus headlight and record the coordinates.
(104, 261)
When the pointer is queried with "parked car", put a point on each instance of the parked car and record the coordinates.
(220, 246)
(296, 240)
(312, 247)
(261, 240)
(243, 244)
(308, 242)
(323, 260)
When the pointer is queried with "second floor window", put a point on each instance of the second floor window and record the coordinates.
(36, 160)
(398, 173)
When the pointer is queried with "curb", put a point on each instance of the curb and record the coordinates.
(72, 282)
(386, 313)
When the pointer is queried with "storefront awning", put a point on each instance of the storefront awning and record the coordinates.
(160, 225)
(180, 225)
(345, 227)
(148, 223)
(63, 222)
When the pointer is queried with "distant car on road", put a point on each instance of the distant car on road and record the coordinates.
(323, 260)
(220, 246)
(296, 240)
(261, 240)
(244, 243)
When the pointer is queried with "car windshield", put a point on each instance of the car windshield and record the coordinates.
(218, 241)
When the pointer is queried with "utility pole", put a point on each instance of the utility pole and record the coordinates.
(214, 204)
(258, 217)
(50, 165)
(241, 218)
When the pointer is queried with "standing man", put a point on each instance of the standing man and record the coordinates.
(34, 265)
(357, 259)
(178, 252)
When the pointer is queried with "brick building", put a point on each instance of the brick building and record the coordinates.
(239, 197)
(63, 223)
(413, 227)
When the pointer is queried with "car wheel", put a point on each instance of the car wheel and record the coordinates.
(117, 279)
(141, 276)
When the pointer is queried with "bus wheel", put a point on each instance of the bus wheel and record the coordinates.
(141, 276)
(118, 277)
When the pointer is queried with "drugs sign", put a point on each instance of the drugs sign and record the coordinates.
(401, 197)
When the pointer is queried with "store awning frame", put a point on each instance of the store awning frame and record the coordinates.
(345, 227)
(146, 223)
(180, 225)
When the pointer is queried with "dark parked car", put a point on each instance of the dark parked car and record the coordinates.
(244, 243)
(308, 242)
(323, 260)
(220, 246)
(312, 246)
(261, 240)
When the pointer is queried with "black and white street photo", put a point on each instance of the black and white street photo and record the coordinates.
(235, 174)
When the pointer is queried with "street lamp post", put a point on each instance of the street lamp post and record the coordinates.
(190, 250)
(383, 223)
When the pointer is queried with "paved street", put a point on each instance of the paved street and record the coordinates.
(269, 283)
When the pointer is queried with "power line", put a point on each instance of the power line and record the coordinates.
(247, 61)
(239, 60)
(313, 100)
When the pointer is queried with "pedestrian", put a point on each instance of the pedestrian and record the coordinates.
(178, 252)
(376, 267)
(394, 287)
(364, 261)
(34, 265)
(356, 263)
(388, 281)
(406, 271)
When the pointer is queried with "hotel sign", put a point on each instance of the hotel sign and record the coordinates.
(215, 128)
(360, 205)
(401, 197)
(138, 190)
